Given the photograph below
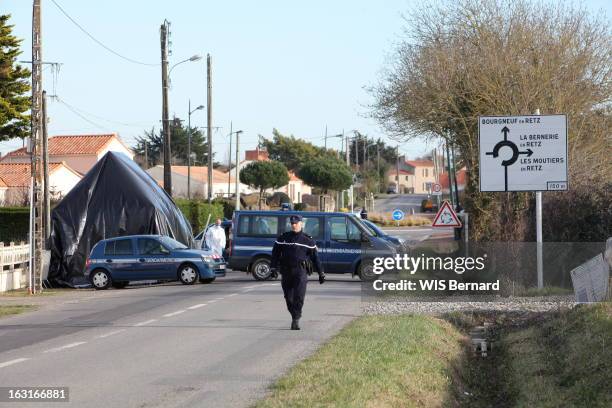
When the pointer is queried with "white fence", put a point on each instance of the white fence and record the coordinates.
(14, 261)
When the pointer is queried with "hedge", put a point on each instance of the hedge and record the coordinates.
(14, 224)
(197, 211)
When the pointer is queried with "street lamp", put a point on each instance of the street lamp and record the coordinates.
(189, 147)
(165, 105)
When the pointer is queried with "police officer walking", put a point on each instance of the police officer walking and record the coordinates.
(296, 254)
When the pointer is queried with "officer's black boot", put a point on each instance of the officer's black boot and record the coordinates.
(295, 324)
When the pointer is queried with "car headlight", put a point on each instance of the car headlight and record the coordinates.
(207, 258)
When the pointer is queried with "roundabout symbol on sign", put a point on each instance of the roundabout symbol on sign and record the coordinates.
(515, 153)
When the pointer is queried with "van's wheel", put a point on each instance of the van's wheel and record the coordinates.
(100, 279)
(188, 274)
(261, 269)
(119, 285)
(366, 271)
(208, 280)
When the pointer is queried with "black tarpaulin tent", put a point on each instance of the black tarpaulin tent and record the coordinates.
(115, 198)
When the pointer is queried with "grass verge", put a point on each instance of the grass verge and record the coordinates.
(378, 361)
(14, 309)
(25, 293)
(563, 361)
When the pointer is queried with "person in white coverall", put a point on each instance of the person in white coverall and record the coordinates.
(215, 238)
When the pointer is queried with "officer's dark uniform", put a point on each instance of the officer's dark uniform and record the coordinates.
(292, 252)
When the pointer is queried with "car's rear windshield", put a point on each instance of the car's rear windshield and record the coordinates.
(172, 243)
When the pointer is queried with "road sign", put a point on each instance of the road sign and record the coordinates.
(436, 189)
(397, 214)
(523, 153)
(446, 217)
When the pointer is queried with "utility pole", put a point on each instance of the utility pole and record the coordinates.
(229, 165)
(189, 151)
(146, 154)
(37, 199)
(325, 137)
(238, 132)
(45, 169)
(397, 166)
(209, 123)
(455, 175)
(450, 180)
(165, 109)
(378, 166)
(365, 148)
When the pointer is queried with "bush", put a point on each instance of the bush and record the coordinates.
(299, 207)
(409, 221)
(197, 211)
(14, 224)
(229, 205)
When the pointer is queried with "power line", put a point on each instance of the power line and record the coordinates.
(71, 109)
(98, 41)
(115, 122)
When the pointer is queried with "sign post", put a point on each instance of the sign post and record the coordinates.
(397, 215)
(524, 153)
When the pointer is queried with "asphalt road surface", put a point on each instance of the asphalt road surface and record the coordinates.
(405, 202)
(217, 345)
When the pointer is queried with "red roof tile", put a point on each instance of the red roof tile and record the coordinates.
(420, 163)
(2, 183)
(18, 174)
(73, 145)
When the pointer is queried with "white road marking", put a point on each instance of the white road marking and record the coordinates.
(145, 322)
(102, 336)
(178, 312)
(67, 346)
(212, 301)
(11, 362)
(196, 306)
(233, 294)
(219, 298)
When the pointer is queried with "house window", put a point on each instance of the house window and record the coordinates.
(406, 178)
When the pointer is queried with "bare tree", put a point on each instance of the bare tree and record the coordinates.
(468, 58)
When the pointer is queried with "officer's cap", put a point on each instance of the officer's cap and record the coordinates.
(294, 219)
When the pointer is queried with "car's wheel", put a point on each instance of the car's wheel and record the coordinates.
(261, 269)
(366, 271)
(100, 279)
(188, 274)
(208, 280)
(120, 285)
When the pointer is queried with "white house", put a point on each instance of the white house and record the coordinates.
(199, 181)
(79, 152)
(15, 182)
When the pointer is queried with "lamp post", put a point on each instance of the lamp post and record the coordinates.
(165, 104)
(238, 132)
(189, 147)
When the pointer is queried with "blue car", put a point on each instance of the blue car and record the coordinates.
(117, 261)
(344, 244)
(376, 230)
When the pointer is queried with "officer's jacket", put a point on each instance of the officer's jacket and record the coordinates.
(292, 249)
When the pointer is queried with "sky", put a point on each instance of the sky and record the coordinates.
(298, 67)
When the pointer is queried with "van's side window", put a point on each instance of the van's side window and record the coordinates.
(267, 225)
(123, 247)
(312, 226)
(354, 233)
(260, 226)
(243, 225)
(338, 228)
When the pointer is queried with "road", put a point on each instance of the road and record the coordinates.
(217, 345)
(405, 202)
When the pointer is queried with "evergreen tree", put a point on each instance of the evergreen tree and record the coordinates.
(14, 85)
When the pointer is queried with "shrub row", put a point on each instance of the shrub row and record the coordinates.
(14, 224)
